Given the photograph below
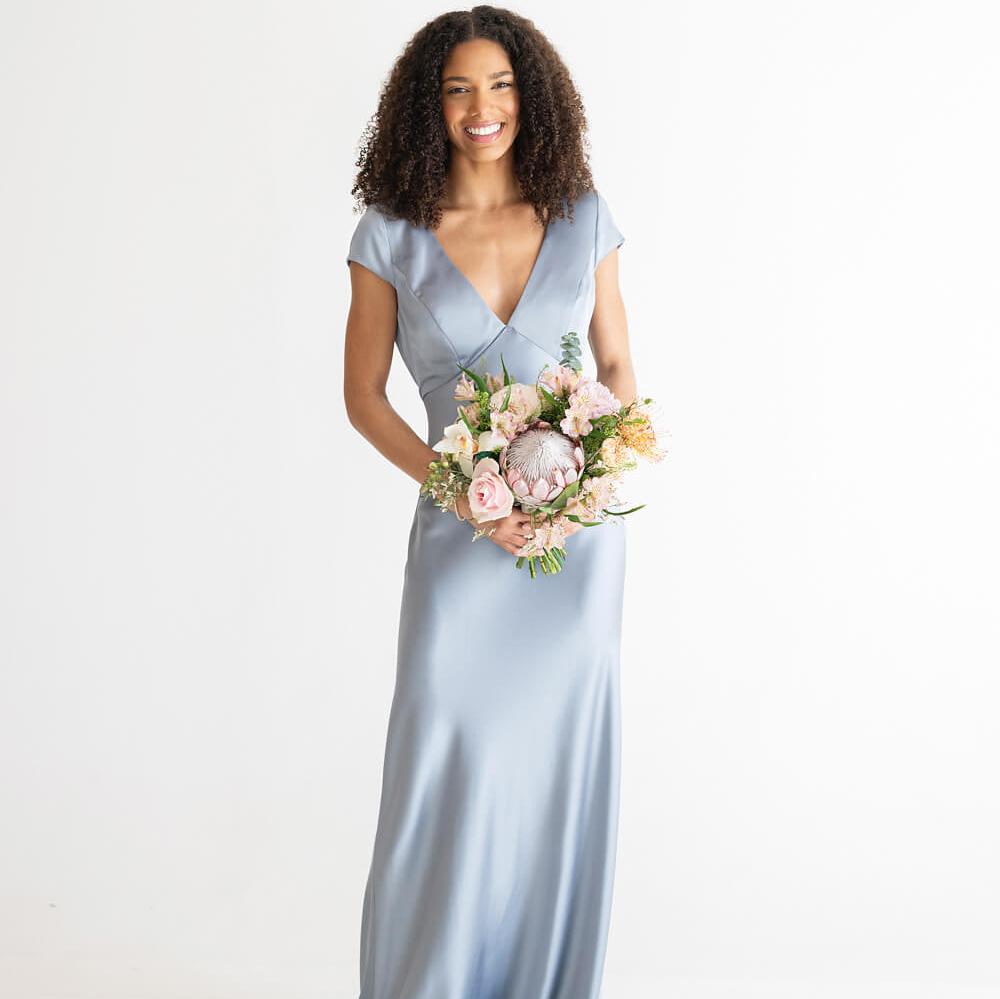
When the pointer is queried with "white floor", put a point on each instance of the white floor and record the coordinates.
(83, 979)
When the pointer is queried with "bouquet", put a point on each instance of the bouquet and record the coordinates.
(556, 449)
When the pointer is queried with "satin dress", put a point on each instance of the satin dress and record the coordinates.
(494, 857)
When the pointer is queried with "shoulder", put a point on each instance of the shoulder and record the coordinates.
(371, 245)
(372, 219)
(601, 208)
(593, 207)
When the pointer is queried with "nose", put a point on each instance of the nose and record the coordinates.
(480, 105)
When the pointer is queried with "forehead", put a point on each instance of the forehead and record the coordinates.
(478, 59)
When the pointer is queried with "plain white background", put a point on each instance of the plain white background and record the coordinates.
(201, 561)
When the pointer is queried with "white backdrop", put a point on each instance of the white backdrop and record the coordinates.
(201, 561)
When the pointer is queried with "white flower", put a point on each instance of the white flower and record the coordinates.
(490, 440)
(458, 441)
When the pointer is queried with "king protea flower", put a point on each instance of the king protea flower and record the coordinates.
(539, 463)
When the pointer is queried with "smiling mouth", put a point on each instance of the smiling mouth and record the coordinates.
(484, 133)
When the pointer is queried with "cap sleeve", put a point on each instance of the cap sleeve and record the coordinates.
(609, 236)
(370, 245)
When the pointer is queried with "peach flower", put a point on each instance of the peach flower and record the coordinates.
(560, 380)
(525, 402)
(465, 388)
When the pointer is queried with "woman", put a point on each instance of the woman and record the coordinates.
(494, 856)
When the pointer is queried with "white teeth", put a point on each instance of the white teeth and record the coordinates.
(488, 130)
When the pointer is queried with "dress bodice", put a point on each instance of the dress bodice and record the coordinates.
(442, 321)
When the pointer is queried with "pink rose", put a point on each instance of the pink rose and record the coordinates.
(490, 497)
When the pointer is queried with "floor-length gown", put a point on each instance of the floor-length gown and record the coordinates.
(494, 857)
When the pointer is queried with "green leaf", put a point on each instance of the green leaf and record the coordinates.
(480, 382)
(465, 420)
(568, 493)
(548, 396)
(621, 513)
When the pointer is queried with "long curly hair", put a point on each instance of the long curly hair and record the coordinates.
(405, 150)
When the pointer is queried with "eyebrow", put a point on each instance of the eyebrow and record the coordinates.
(493, 76)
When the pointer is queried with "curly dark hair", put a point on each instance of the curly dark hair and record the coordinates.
(405, 150)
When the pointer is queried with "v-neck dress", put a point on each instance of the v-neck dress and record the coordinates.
(494, 857)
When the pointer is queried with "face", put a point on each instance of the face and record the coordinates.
(478, 90)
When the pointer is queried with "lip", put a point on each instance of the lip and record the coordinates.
(484, 139)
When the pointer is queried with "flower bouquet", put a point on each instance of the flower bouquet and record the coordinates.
(555, 449)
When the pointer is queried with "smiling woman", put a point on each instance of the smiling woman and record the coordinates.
(506, 72)
(482, 132)
(493, 864)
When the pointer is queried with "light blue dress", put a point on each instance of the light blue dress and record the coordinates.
(493, 865)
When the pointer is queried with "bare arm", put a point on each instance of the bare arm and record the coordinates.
(371, 330)
(609, 332)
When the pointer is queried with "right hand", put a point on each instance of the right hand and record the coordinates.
(510, 532)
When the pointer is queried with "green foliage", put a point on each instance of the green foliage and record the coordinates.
(465, 419)
(571, 351)
(551, 402)
(444, 483)
(557, 504)
(480, 382)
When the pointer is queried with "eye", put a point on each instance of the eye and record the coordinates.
(500, 83)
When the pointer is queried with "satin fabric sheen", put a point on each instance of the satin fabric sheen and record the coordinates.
(493, 864)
